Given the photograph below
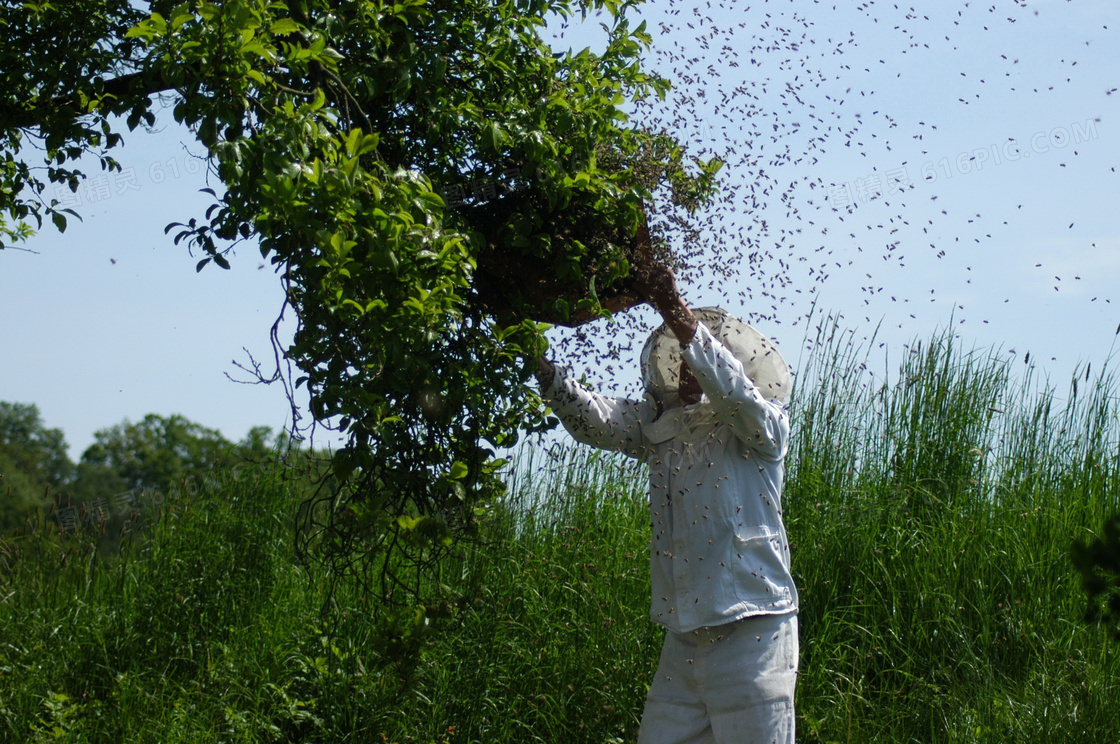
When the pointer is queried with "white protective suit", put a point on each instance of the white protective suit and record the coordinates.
(718, 547)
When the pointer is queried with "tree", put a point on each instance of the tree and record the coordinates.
(33, 462)
(31, 446)
(21, 493)
(156, 454)
(343, 133)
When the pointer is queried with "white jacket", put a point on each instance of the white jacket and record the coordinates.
(718, 546)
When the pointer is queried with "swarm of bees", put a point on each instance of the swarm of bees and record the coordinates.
(824, 149)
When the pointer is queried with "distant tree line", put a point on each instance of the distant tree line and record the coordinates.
(125, 462)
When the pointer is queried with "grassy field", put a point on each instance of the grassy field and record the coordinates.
(932, 516)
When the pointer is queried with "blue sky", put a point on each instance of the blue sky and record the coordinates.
(985, 161)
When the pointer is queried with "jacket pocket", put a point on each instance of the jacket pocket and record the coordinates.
(760, 577)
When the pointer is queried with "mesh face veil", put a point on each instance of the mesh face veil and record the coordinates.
(764, 365)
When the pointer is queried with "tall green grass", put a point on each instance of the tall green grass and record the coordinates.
(932, 517)
(931, 513)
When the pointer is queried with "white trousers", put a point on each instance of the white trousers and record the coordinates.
(727, 684)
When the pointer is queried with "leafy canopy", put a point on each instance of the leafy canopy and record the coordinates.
(158, 452)
(339, 130)
(33, 462)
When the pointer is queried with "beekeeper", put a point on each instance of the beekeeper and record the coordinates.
(714, 431)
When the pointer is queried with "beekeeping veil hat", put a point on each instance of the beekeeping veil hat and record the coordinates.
(764, 365)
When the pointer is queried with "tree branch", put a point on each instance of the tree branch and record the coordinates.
(143, 83)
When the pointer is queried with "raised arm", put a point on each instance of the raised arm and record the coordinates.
(761, 424)
(737, 401)
(591, 418)
(655, 282)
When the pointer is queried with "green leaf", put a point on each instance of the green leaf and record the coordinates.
(354, 142)
(493, 137)
(284, 26)
(369, 143)
(458, 471)
(319, 101)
